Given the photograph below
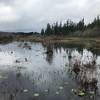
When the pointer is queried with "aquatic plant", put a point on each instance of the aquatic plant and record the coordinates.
(75, 62)
(84, 66)
(25, 45)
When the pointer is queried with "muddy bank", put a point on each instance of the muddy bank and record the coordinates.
(90, 43)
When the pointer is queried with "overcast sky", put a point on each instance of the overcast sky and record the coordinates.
(32, 15)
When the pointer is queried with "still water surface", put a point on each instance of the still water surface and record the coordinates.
(31, 74)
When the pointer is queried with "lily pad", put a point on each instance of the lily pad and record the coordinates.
(36, 94)
(3, 77)
(61, 88)
(92, 92)
(74, 91)
(66, 83)
(57, 93)
(25, 90)
(46, 90)
(81, 93)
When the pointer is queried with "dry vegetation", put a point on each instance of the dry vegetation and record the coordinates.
(85, 68)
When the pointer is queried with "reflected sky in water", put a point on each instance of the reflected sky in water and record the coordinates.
(39, 73)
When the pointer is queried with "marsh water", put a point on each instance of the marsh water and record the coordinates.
(32, 74)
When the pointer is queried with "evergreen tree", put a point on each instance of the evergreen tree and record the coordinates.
(70, 27)
(48, 29)
(42, 32)
(80, 25)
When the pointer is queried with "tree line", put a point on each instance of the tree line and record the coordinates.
(69, 27)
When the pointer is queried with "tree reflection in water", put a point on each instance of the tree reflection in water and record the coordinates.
(49, 52)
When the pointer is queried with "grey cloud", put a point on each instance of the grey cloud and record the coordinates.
(7, 2)
(32, 15)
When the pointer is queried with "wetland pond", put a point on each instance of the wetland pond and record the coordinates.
(28, 72)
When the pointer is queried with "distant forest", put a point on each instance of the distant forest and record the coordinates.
(71, 28)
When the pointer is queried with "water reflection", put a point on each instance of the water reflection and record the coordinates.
(49, 53)
(48, 76)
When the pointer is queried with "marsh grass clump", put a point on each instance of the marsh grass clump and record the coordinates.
(49, 48)
(88, 75)
(75, 62)
(84, 66)
(76, 68)
(49, 53)
(88, 79)
(25, 45)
